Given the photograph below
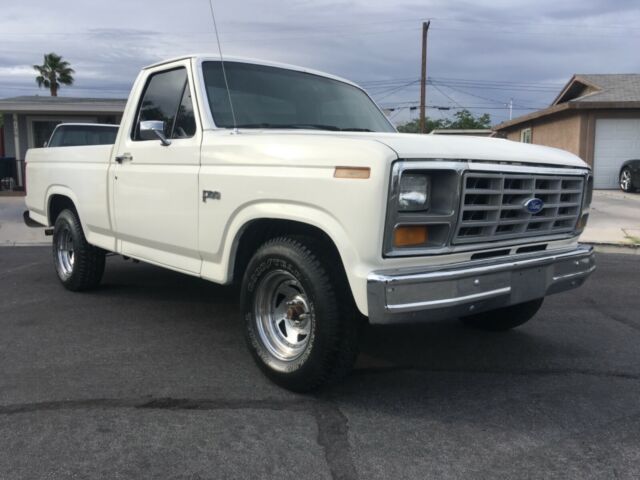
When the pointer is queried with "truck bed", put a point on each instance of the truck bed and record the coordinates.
(81, 173)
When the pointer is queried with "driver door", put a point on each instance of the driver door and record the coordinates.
(156, 185)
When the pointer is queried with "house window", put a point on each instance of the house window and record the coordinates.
(525, 135)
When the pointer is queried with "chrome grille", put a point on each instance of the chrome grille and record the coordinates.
(492, 206)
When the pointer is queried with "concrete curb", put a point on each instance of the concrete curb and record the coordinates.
(603, 247)
(25, 244)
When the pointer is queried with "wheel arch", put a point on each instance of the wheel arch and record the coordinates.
(59, 199)
(253, 231)
(633, 164)
(258, 231)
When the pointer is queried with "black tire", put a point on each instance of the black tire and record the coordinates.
(325, 310)
(626, 180)
(82, 269)
(504, 318)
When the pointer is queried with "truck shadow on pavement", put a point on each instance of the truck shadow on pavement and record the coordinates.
(442, 346)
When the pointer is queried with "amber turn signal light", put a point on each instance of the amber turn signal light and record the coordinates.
(352, 172)
(410, 235)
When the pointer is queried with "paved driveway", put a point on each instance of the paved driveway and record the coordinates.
(13, 231)
(148, 377)
(614, 218)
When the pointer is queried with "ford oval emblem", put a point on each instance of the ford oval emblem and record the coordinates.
(534, 205)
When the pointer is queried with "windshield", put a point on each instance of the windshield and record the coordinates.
(270, 97)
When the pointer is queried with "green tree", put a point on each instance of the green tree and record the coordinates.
(53, 73)
(414, 125)
(466, 119)
(463, 119)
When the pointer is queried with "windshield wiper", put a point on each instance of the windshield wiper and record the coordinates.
(293, 125)
(314, 126)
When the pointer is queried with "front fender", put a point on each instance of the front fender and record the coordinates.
(221, 271)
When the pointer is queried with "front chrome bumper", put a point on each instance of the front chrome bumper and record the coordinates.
(472, 287)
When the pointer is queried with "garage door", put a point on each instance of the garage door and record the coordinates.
(616, 140)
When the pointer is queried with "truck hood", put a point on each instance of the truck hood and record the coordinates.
(317, 145)
(415, 146)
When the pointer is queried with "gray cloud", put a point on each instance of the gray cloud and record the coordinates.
(525, 43)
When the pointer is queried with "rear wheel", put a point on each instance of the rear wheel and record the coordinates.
(299, 326)
(626, 184)
(79, 266)
(504, 318)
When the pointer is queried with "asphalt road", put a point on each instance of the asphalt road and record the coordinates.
(149, 377)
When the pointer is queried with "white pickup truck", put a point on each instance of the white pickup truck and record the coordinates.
(294, 184)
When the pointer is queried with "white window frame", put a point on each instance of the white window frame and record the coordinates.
(525, 135)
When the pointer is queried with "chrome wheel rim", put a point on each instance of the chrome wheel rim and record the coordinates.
(65, 252)
(282, 315)
(625, 179)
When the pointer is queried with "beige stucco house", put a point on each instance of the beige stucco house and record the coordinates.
(597, 117)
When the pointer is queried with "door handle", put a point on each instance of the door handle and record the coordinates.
(125, 157)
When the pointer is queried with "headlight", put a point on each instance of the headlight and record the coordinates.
(414, 192)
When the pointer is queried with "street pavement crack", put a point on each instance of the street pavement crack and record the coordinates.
(524, 371)
(332, 424)
(616, 318)
(333, 437)
(151, 403)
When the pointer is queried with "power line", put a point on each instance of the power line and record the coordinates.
(476, 96)
(395, 90)
(413, 105)
(497, 85)
(468, 83)
(548, 84)
(481, 97)
(385, 83)
(464, 84)
(445, 94)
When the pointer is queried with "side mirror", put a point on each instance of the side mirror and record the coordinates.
(152, 130)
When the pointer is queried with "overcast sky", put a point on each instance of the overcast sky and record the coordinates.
(481, 54)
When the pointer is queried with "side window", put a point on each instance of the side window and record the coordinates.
(185, 126)
(167, 98)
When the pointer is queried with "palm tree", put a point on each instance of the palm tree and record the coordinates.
(53, 73)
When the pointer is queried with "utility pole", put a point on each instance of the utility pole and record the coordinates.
(510, 108)
(423, 78)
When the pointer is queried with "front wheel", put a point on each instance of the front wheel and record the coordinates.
(297, 325)
(626, 184)
(79, 265)
(504, 318)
